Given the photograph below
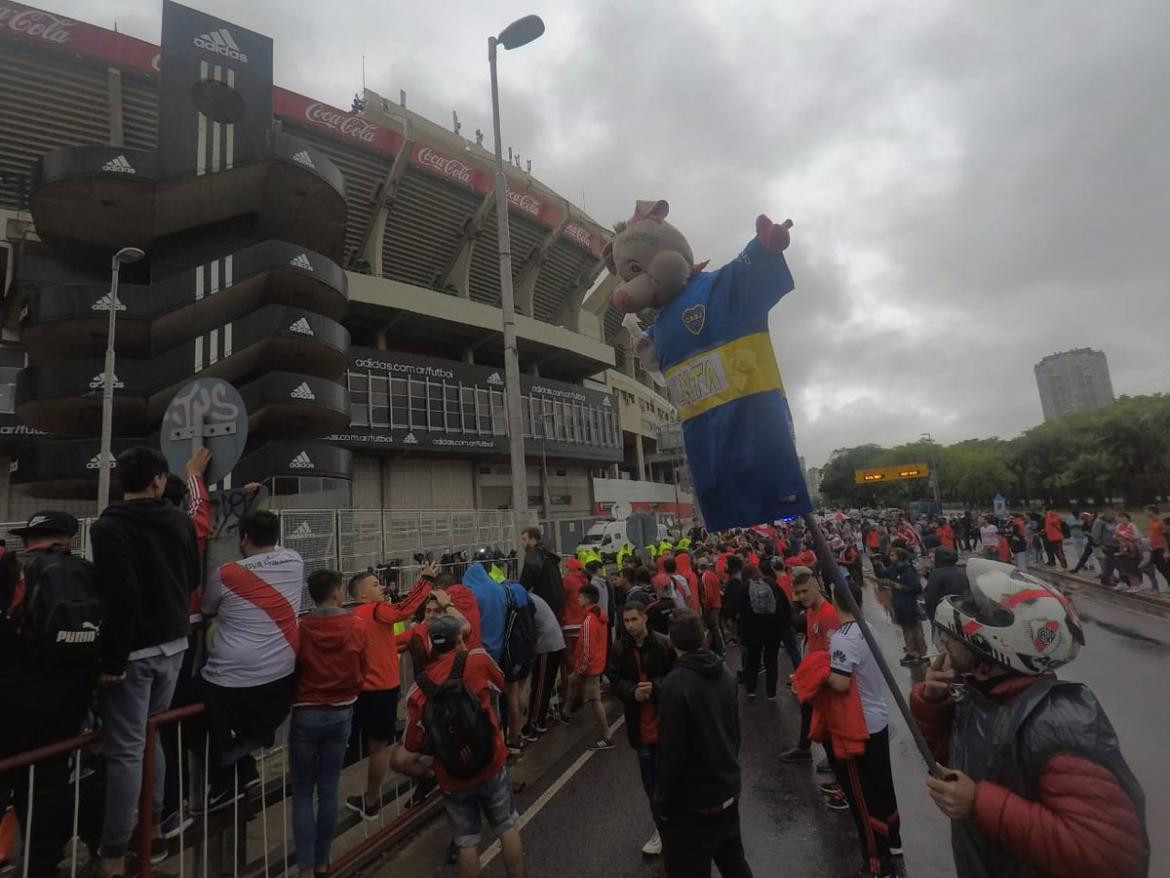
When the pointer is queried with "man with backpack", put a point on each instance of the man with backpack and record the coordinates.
(450, 717)
(50, 625)
(762, 618)
(147, 562)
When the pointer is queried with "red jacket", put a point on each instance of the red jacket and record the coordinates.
(589, 652)
(199, 511)
(331, 662)
(712, 593)
(946, 536)
(380, 618)
(836, 716)
(573, 614)
(1082, 822)
(683, 561)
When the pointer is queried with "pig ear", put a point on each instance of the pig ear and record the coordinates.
(607, 257)
(652, 210)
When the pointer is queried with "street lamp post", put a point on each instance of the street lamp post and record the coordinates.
(127, 255)
(518, 33)
(926, 437)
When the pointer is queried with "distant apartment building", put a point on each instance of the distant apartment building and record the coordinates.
(814, 475)
(1073, 381)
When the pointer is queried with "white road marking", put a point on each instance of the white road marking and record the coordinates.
(555, 787)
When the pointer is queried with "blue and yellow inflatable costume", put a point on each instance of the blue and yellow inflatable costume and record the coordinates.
(714, 349)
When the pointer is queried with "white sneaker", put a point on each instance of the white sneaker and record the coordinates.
(653, 847)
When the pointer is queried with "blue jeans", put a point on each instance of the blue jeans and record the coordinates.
(316, 746)
(649, 775)
(125, 707)
(492, 798)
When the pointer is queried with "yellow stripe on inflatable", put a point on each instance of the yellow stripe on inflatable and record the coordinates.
(723, 374)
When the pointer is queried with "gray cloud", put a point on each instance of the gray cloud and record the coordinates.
(974, 185)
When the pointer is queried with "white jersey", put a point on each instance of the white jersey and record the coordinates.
(256, 602)
(850, 655)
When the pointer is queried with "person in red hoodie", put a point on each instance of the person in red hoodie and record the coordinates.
(572, 616)
(1031, 771)
(376, 711)
(331, 665)
(946, 534)
(589, 664)
(682, 563)
(711, 600)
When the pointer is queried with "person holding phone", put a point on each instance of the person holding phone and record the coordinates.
(1030, 769)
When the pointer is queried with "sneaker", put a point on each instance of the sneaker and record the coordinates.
(515, 748)
(565, 719)
(796, 754)
(540, 728)
(823, 767)
(837, 801)
(217, 799)
(602, 744)
(653, 847)
(895, 850)
(772, 697)
(830, 788)
(751, 695)
(529, 735)
(159, 850)
(358, 805)
(176, 823)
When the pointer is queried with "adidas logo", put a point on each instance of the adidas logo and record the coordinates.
(119, 165)
(302, 392)
(95, 462)
(301, 261)
(99, 381)
(303, 530)
(303, 158)
(495, 378)
(220, 42)
(302, 326)
(409, 439)
(301, 461)
(103, 304)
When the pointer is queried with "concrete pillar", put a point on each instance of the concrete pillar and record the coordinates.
(372, 252)
(114, 86)
(641, 457)
(469, 356)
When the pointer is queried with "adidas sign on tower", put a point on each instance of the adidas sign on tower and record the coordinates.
(221, 42)
(302, 326)
(301, 461)
(303, 158)
(301, 261)
(119, 165)
(303, 391)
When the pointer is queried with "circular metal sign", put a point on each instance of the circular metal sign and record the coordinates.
(207, 413)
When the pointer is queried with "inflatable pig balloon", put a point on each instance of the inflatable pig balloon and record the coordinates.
(710, 340)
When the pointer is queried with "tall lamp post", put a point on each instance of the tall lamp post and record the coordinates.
(926, 437)
(518, 33)
(125, 255)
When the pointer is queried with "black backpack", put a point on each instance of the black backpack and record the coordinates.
(519, 649)
(63, 610)
(554, 594)
(459, 729)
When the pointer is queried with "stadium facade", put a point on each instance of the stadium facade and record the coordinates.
(338, 266)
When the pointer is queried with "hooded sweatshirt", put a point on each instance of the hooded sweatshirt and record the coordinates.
(947, 578)
(698, 739)
(147, 567)
(683, 562)
(331, 664)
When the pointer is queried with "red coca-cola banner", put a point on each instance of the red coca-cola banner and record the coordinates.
(57, 31)
(457, 170)
(584, 237)
(340, 123)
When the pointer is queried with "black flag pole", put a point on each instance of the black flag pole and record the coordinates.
(844, 597)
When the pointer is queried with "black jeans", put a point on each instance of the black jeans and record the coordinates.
(39, 710)
(711, 617)
(543, 682)
(769, 649)
(1159, 563)
(691, 842)
(649, 771)
(1085, 556)
(868, 783)
(240, 720)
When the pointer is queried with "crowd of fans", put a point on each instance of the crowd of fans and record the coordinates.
(496, 664)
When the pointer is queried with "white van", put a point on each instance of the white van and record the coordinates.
(607, 537)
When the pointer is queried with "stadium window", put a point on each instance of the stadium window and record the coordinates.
(483, 411)
(451, 421)
(526, 416)
(399, 404)
(418, 404)
(467, 403)
(499, 414)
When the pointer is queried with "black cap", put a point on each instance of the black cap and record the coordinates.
(50, 521)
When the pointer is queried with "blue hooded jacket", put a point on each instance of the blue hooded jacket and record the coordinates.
(492, 601)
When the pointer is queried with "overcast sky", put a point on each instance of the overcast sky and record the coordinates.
(974, 185)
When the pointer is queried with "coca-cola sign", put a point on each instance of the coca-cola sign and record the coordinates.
(343, 123)
(56, 31)
(443, 164)
(579, 234)
(36, 24)
(525, 202)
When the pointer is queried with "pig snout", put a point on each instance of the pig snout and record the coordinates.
(622, 300)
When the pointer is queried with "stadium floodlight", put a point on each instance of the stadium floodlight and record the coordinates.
(125, 255)
(518, 33)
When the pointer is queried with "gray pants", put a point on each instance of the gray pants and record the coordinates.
(147, 690)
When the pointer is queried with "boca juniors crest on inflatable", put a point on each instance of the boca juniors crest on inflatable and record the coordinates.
(710, 341)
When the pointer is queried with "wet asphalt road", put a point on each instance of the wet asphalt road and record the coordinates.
(595, 823)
